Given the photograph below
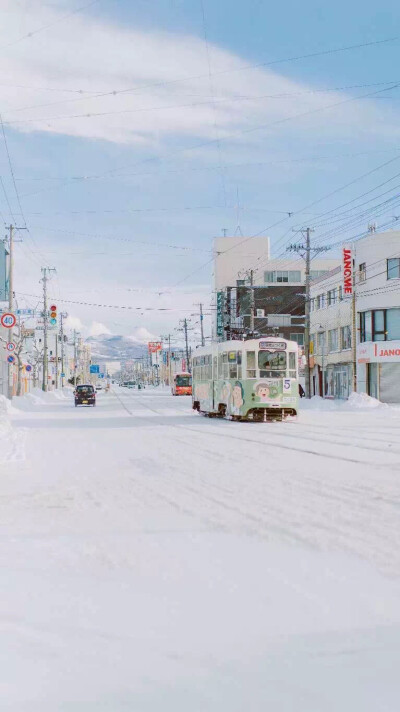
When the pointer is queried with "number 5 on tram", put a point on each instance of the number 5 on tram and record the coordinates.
(247, 380)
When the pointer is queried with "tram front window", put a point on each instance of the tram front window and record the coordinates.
(272, 364)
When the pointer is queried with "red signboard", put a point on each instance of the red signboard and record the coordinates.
(154, 346)
(347, 267)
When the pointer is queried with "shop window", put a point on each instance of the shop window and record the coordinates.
(393, 268)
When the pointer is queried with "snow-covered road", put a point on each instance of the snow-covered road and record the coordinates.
(152, 559)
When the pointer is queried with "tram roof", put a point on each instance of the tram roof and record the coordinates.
(249, 345)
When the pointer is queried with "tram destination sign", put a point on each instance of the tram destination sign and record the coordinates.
(275, 345)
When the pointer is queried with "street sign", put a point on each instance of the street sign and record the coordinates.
(8, 320)
(28, 368)
(25, 312)
(10, 358)
(94, 368)
(63, 375)
(10, 346)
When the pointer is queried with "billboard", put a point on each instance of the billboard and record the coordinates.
(220, 313)
(3, 273)
(347, 269)
(154, 346)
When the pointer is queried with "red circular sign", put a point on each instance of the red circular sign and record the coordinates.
(8, 320)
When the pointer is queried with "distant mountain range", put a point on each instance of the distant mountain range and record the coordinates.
(115, 348)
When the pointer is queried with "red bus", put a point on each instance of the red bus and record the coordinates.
(182, 384)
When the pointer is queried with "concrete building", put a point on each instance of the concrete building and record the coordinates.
(331, 353)
(377, 262)
(244, 272)
(372, 350)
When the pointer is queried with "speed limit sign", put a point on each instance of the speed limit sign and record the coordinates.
(8, 320)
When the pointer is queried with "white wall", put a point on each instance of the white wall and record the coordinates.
(234, 254)
(374, 250)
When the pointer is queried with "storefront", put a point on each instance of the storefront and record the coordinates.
(378, 366)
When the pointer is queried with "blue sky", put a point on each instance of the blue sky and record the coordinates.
(112, 184)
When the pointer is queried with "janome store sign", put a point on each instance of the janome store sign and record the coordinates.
(379, 352)
(347, 267)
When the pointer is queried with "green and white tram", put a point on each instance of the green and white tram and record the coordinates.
(246, 380)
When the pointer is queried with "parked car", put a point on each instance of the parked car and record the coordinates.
(85, 395)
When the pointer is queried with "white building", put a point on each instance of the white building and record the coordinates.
(376, 354)
(331, 353)
(377, 261)
(236, 256)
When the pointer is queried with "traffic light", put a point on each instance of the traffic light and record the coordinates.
(53, 315)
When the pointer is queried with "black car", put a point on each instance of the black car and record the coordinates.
(85, 395)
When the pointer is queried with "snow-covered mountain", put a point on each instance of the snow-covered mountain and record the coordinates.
(107, 347)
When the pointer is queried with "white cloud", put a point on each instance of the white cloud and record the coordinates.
(142, 334)
(74, 322)
(98, 329)
(86, 54)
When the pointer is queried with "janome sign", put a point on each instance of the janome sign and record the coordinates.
(379, 352)
(347, 267)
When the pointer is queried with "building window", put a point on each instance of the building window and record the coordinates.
(315, 273)
(362, 271)
(345, 335)
(340, 293)
(312, 304)
(333, 339)
(298, 338)
(378, 325)
(321, 342)
(332, 297)
(241, 282)
(392, 324)
(282, 276)
(393, 268)
(323, 301)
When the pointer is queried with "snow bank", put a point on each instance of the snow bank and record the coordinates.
(356, 401)
(7, 437)
(37, 398)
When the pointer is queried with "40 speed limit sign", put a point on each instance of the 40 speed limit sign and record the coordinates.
(8, 320)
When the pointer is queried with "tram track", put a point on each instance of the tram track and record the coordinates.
(205, 431)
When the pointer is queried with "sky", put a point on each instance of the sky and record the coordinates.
(136, 131)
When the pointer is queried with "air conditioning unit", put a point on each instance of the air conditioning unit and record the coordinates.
(260, 313)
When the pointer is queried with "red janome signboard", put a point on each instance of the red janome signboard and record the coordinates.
(347, 265)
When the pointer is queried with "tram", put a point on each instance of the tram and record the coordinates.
(255, 380)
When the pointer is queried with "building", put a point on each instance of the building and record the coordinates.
(331, 352)
(356, 343)
(377, 264)
(250, 287)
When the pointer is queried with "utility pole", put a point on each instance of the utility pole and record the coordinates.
(46, 271)
(75, 357)
(11, 241)
(185, 329)
(305, 251)
(203, 343)
(63, 316)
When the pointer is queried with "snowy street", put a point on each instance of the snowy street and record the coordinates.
(153, 559)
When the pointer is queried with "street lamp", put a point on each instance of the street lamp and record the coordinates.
(321, 331)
